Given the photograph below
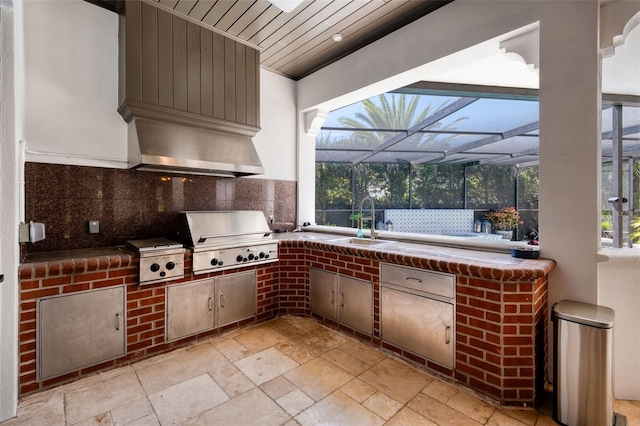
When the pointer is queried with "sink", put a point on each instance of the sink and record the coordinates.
(361, 241)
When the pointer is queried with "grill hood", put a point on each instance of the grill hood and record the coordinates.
(168, 147)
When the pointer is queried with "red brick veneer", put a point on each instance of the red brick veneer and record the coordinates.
(145, 307)
(501, 325)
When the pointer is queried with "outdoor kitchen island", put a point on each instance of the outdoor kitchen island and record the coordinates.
(500, 306)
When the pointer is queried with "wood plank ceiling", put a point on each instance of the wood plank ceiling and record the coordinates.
(298, 43)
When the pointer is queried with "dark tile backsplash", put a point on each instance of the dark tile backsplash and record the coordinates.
(132, 204)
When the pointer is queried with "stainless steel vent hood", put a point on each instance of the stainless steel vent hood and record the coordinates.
(169, 147)
(191, 97)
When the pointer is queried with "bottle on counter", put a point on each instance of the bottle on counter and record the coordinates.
(389, 225)
(477, 226)
(485, 227)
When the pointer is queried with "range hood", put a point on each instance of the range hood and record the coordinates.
(191, 97)
(169, 147)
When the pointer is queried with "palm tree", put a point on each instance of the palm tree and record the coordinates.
(396, 112)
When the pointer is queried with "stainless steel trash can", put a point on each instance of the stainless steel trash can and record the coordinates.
(583, 379)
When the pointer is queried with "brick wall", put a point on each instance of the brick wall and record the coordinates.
(145, 307)
(501, 324)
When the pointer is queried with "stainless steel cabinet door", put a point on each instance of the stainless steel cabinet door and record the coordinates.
(355, 303)
(420, 324)
(322, 293)
(236, 297)
(79, 330)
(189, 308)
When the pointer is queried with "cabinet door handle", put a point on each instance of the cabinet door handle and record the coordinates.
(332, 297)
(210, 304)
(342, 300)
(118, 321)
(447, 334)
(418, 280)
(221, 300)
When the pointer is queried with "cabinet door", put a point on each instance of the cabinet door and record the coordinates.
(79, 330)
(322, 293)
(189, 308)
(355, 303)
(236, 297)
(420, 324)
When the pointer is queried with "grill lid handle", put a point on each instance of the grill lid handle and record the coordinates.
(204, 238)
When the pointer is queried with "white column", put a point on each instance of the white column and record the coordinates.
(310, 124)
(570, 146)
(9, 222)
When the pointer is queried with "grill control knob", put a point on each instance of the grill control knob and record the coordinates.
(221, 263)
(261, 255)
(266, 256)
(245, 259)
(155, 267)
(163, 273)
(214, 262)
(239, 258)
(251, 256)
(170, 265)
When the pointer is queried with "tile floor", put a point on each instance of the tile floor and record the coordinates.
(289, 371)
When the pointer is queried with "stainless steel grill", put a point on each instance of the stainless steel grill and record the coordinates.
(227, 239)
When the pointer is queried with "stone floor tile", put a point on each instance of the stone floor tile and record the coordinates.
(338, 409)
(100, 397)
(174, 370)
(408, 417)
(631, 409)
(296, 352)
(363, 352)
(277, 387)
(188, 399)
(528, 417)
(305, 324)
(471, 406)
(232, 350)
(103, 419)
(266, 365)
(345, 361)
(40, 410)
(131, 411)
(260, 338)
(358, 390)
(232, 380)
(397, 380)
(321, 340)
(548, 421)
(382, 405)
(439, 413)
(150, 420)
(291, 422)
(500, 419)
(318, 378)
(295, 401)
(440, 390)
(250, 408)
(285, 327)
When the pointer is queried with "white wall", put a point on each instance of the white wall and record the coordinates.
(9, 222)
(71, 83)
(71, 93)
(276, 140)
(619, 289)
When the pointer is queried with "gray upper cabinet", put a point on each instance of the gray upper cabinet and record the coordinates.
(79, 330)
(171, 64)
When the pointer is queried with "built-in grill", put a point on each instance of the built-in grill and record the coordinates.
(161, 259)
(226, 239)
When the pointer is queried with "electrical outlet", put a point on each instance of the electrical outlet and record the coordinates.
(270, 218)
(94, 226)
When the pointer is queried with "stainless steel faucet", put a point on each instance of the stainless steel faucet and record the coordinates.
(372, 217)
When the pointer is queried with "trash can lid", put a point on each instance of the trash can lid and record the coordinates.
(584, 313)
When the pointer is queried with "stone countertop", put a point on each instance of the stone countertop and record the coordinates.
(471, 262)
